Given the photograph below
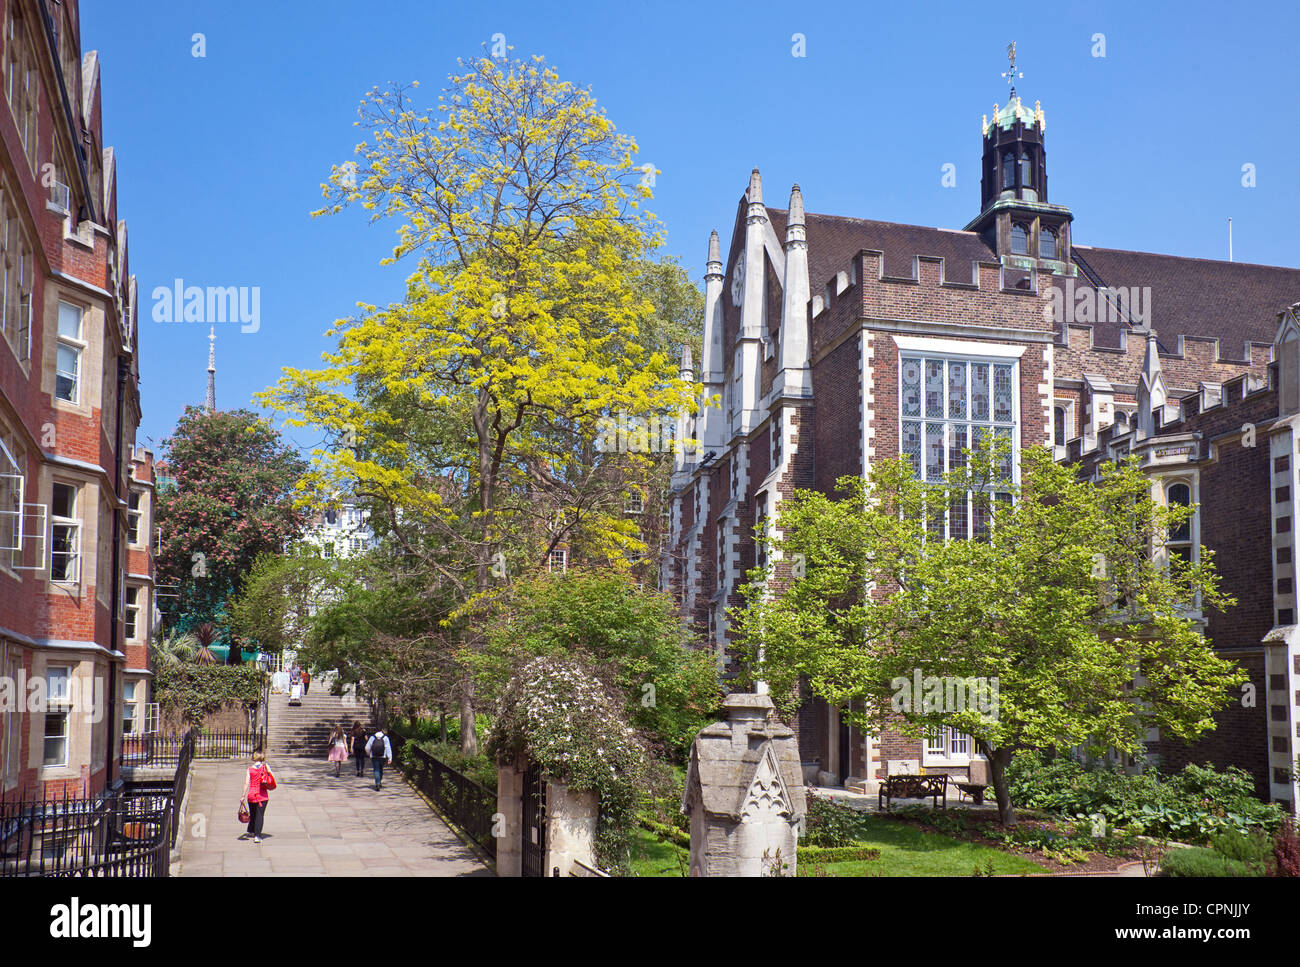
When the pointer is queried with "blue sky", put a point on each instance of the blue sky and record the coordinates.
(220, 158)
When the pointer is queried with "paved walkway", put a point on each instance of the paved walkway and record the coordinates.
(317, 825)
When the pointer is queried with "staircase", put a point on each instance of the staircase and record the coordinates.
(304, 730)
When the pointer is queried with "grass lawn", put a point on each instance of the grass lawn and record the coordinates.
(908, 851)
(904, 851)
(652, 856)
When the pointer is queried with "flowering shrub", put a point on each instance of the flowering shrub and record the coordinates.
(559, 714)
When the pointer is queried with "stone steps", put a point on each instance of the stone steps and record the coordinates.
(304, 729)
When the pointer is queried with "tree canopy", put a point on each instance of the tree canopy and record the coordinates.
(1066, 601)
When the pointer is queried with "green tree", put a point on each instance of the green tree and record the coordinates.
(632, 638)
(228, 499)
(1067, 600)
(521, 327)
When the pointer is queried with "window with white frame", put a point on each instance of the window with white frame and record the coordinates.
(67, 381)
(947, 405)
(65, 531)
(132, 621)
(57, 713)
(16, 268)
(12, 491)
(133, 517)
(946, 746)
(634, 503)
(132, 721)
(22, 81)
(558, 560)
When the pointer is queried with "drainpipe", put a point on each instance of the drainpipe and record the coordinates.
(123, 380)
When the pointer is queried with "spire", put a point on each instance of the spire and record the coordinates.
(711, 427)
(714, 265)
(755, 192)
(212, 369)
(688, 363)
(794, 374)
(795, 219)
(1151, 394)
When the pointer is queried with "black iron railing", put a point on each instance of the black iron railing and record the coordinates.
(167, 750)
(460, 799)
(117, 834)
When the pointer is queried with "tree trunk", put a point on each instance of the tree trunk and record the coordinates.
(999, 759)
(468, 736)
(442, 722)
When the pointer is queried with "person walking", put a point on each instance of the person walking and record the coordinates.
(379, 749)
(338, 749)
(257, 793)
(359, 745)
(306, 680)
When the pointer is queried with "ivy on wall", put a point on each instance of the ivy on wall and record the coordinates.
(197, 690)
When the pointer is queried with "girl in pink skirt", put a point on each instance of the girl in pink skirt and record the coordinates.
(338, 749)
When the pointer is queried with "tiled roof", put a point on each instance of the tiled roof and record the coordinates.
(833, 240)
(1235, 302)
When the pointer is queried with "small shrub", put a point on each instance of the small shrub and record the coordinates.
(1199, 861)
(1286, 850)
(837, 854)
(833, 824)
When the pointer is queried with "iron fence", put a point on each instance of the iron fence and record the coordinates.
(117, 834)
(459, 798)
(166, 750)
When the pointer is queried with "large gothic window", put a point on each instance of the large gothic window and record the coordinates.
(1026, 172)
(949, 405)
(1008, 170)
(1019, 239)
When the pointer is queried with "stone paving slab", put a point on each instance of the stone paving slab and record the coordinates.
(317, 825)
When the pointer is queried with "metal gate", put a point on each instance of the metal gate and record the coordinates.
(534, 824)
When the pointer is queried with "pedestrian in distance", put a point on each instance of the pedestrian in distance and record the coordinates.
(256, 795)
(380, 750)
(359, 745)
(338, 748)
(306, 680)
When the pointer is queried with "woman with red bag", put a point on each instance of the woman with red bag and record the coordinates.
(260, 782)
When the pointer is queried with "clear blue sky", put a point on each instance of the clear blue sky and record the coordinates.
(220, 159)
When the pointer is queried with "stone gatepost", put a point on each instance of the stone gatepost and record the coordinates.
(566, 835)
(744, 793)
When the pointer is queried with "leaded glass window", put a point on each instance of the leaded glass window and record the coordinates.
(965, 401)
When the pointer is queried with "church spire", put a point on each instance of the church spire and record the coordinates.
(212, 370)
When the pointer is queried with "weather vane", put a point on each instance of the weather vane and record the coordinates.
(1011, 74)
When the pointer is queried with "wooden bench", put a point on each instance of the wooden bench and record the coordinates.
(933, 787)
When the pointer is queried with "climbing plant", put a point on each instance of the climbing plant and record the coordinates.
(559, 714)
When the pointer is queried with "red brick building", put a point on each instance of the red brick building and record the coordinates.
(74, 565)
(833, 342)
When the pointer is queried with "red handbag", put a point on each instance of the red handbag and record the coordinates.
(243, 811)
(268, 780)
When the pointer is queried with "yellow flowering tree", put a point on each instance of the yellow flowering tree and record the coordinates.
(467, 414)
